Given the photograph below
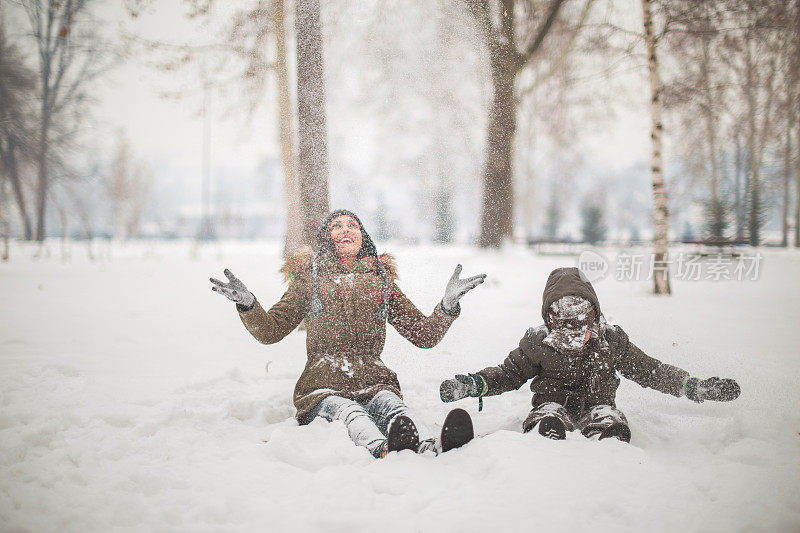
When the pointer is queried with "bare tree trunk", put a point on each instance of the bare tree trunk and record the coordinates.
(717, 212)
(757, 139)
(497, 213)
(6, 245)
(4, 225)
(497, 210)
(64, 217)
(711, 125)
(312, 134)
(754, 191)
(120, 186)
(742, 171)
(293, 238)
(46, 58)
(796, 72)
(797, 188)
(660, 270)
(12, 169)
(83, 217)
(529, 199)
(42, 183)
(787, 178)
(739, 206)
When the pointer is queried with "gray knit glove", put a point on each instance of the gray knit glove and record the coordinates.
(235, 291)
(462, 386)
(456, 288)
(716, 389)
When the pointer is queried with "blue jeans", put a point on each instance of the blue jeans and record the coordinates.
(366, 422)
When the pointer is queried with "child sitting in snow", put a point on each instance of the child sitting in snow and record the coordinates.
(574, 359)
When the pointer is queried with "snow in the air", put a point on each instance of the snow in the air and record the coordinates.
(133, 399)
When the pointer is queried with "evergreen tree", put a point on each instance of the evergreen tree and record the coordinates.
(593, 226)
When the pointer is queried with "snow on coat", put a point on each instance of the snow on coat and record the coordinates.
(345, 338)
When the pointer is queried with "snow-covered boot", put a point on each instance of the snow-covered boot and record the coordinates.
(605, 422)
(552, 427)
(457, 430)
(402, 435)
(618, 430)
(540, 417)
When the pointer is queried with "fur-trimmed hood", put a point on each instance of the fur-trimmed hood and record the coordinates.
(298, 265)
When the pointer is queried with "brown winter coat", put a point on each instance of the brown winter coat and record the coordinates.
(345, 339)
(578, 381)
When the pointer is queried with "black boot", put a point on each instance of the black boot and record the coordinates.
(403, 435)
(457, 429)
(552, 427)
(617, 430)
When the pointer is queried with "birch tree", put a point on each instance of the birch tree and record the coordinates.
(660, 210)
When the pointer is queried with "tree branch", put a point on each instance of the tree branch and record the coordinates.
(480, 10)
(522, 59)
(559, 61)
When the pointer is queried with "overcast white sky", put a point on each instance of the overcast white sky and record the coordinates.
(166, 130)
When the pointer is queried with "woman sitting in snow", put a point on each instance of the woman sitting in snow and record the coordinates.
(574, 359)
(346, 293)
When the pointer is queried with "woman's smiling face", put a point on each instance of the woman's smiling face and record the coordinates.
(346, 236)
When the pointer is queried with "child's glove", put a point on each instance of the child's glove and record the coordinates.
(235, 291)
(716, 389)
(462, 386)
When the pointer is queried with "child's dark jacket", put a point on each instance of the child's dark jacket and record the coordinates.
(583, 380)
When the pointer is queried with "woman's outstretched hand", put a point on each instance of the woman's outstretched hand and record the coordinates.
(456, 288)
(234, 290)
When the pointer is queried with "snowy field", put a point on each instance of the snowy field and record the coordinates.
(133, 399)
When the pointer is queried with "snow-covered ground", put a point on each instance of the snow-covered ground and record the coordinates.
(132, 398)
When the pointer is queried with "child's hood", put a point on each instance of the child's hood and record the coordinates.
(567, 281)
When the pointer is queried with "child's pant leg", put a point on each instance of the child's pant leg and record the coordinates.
(548, 409)
(360, 426)
(599, 418)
